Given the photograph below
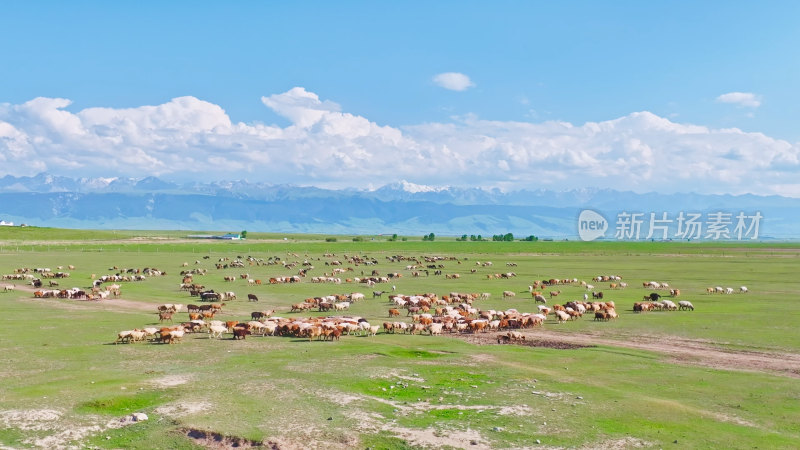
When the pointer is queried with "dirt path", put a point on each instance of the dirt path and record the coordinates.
(678, 350)
(113, 303)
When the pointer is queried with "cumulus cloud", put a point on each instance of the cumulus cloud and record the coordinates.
(189, 139)
(453, 81)
(301, 107)
(747, 99)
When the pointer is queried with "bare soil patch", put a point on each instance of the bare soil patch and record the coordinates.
(679, 350)
(168, 381)
(115, 304)
(619, 444)
(52, 429)
(433, 438)
(216, 441)
(181, 409)
(530, 341)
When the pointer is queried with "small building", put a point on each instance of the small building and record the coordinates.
(227, 236)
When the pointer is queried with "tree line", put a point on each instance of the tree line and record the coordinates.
(508, 237)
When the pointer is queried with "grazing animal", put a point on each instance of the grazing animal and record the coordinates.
(515, 336)
(538, 298)
(683, 304)
(562, 316)
(167, 308)
(174, 336)
(509, 294)
(334, 334)
(601, 315)
(124, 336)
(240, 333)
(301, 307)
(216, 331)
(151, 332)
(252, 297)
(341, 306)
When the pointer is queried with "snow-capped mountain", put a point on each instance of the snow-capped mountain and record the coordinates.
(403, 208)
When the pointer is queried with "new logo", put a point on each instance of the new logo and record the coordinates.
(591, 225)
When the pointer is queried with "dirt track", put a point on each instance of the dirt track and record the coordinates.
(117, 304)
(678, 350)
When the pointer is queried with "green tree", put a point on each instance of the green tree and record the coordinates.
(243, 234)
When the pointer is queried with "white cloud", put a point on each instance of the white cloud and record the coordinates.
(187, 138)
(303, 108)
(453, 81)
(747, 99)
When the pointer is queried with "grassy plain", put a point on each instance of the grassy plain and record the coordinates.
(66, 384)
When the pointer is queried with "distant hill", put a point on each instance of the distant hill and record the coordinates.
(402, 208)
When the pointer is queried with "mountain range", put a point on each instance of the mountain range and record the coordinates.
(403, 208)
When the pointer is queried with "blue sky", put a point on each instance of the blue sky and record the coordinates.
(714, 65)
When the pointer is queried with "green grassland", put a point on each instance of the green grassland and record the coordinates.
(64, 381)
